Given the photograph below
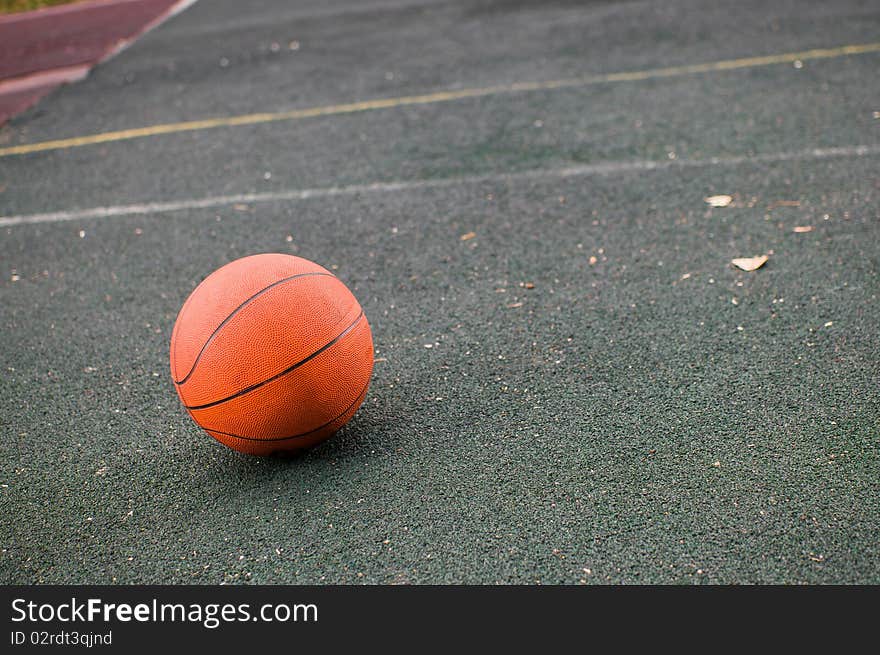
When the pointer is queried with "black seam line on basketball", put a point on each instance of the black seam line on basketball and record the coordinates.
(282, 373)
(302, 434)
(237, 310)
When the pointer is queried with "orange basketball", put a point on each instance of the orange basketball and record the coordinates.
(271, 353)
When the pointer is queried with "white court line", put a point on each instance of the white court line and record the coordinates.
(603, 168)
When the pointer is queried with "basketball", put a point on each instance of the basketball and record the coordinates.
(271, 353)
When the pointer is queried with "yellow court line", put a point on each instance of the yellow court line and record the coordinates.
(440, 96)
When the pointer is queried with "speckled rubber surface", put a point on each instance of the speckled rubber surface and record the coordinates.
(572, 382)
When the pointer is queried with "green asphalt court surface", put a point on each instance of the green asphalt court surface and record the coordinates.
(572, 382)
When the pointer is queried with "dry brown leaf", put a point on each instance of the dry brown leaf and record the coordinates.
(800, 229)
(719, 201)
(529, 285)
(467, 236)
(750, 263)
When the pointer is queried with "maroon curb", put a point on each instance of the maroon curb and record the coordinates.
(39, 48)
(18, 94)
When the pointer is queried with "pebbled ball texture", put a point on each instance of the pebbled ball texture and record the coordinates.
(271, 353)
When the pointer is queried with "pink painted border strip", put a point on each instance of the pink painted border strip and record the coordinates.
(75, 34)
(59, 10)
(76, 52)
(52, 77)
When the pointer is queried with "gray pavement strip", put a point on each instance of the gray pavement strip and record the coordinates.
(602, 168)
